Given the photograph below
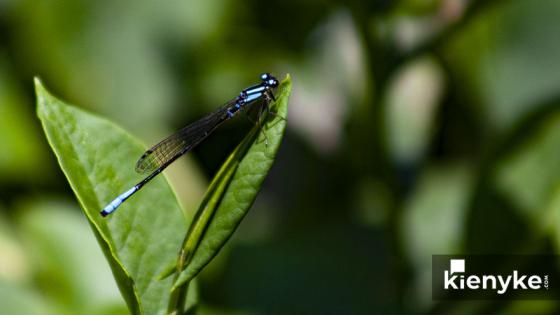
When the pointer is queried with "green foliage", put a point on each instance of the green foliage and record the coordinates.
(522, 177)
(146, 233)
(234, 189)
(70, 269)
(16, 300)
(23, 155)
(52, 247)
(142, 237)
(418, 128)
(432, 222)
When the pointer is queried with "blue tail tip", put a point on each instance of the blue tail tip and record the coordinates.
(104, 213)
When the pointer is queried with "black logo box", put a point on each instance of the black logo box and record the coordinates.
(546, 267)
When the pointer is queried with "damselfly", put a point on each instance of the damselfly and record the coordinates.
(160, 156)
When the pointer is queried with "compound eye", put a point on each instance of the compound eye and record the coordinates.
(273, 82)
(265, 76)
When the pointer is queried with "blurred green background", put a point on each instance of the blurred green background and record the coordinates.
(416, 127)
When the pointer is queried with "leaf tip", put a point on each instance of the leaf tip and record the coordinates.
(40, 92)
(287, 80)
(39, 87)
(37, 82)
(286, 84)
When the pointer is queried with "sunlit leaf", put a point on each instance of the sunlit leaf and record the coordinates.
(434, 220)
(98, 160)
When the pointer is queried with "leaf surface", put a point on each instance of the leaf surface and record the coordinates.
(98, 158)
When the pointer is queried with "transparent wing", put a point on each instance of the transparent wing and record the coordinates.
(177, 144)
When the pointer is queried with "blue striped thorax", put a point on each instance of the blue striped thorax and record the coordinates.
(253, 93)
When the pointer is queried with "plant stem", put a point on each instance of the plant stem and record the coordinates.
(179, 295)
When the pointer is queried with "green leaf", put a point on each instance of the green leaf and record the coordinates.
(529, 174)
(413, 100)
(233, 190)
(488, 61)
(433, 220)
(98, 159)
(16, 299)
(69, 267)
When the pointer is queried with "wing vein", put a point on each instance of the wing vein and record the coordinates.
(182, 141)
